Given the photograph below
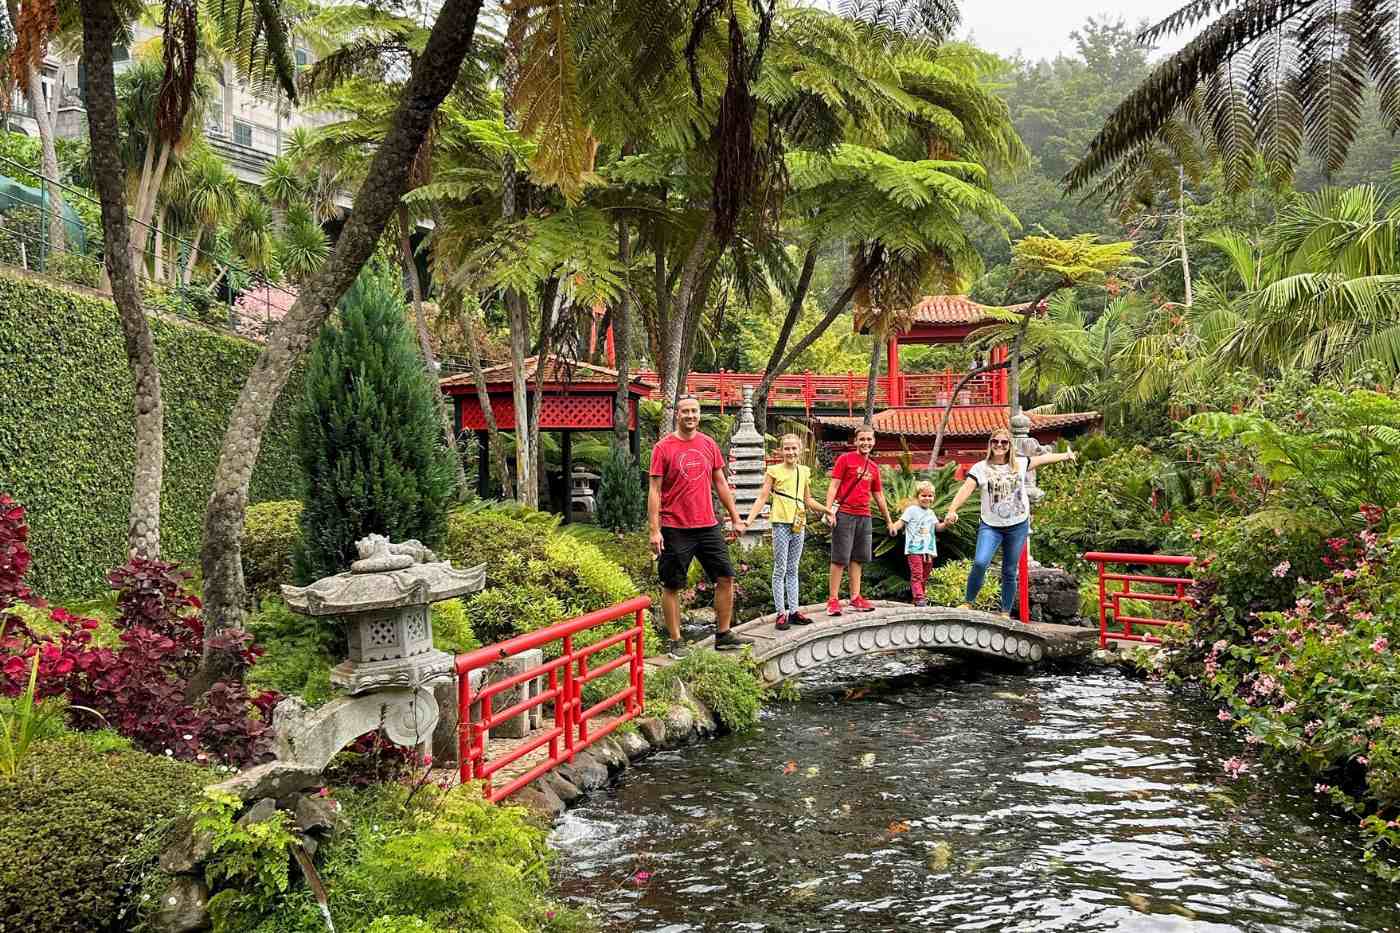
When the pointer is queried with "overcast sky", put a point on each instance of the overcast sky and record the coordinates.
(1041, 28)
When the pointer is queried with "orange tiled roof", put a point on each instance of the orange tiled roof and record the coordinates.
(558, 371)
(949, 309)
(966, 421)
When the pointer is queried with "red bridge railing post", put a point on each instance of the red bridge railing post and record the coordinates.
(571, 721)
(1126, 619)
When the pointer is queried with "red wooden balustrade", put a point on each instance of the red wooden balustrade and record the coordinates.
(1114, 597)
(567, 674)
(836, 392)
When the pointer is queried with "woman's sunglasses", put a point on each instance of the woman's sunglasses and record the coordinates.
(1001, 443)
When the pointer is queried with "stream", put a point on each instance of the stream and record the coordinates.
(902, 796)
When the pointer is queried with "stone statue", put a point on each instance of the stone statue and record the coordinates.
(378, 555)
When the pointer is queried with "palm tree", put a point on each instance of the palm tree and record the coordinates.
(1263, 78)
(33, 29)
(1328, 299)
(208, 192)
(433, 74)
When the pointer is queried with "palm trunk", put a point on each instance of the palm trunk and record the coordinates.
(146, 200)
(517, 310)
(433, 75)
(549, 315)
(858, 280)
(483, 398)
(673, 338)
(875, 344)
(187, 275)
(425, 346)
(58, 240)
(99, 34)
(622, 406)
(158, 253)
(794, 311)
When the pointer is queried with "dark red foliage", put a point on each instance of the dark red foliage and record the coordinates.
(152, 594)
(14, 556)
(139, 687)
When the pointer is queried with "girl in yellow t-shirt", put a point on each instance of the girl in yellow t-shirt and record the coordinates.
(790, 485)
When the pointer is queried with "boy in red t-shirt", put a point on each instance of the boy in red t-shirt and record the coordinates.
(685, 466)
(854, 479)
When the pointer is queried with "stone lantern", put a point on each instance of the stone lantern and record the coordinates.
(747, 464)
(393, 666)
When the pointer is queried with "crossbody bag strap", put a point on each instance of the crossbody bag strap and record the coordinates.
(859, 476)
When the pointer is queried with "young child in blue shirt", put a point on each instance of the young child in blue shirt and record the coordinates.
(919, 522)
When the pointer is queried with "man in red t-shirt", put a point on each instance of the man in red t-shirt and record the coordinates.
(854, 479)
(685, 466)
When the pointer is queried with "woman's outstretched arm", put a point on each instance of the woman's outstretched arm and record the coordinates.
(1047, 459)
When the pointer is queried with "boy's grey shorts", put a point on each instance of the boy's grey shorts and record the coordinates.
(850, 539)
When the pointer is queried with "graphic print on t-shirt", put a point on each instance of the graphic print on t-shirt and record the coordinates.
(693, 465)
(1004, 491)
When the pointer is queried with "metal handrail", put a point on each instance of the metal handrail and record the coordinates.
(567, 675)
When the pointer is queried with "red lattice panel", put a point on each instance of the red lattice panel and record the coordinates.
(579, 412)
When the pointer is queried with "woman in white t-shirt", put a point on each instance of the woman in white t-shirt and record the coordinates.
(1006, 513)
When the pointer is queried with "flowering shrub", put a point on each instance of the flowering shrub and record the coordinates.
(139, 687)
(1320, 681)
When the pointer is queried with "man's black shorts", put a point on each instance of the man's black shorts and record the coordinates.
(679, 546)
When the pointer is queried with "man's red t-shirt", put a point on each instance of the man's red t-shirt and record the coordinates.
(853, 495)
(686, 469)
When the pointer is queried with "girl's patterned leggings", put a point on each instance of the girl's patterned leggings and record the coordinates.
(787, 554)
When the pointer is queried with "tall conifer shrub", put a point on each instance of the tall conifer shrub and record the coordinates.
(370, 438)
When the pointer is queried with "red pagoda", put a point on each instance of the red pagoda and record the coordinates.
(916, 400)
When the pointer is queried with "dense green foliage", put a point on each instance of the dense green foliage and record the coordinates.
(271, 532)
(80, 825)
(369, 433)
(66, 434)
(1319, 681)
(727, 685)
(440, 862)
(622, 496)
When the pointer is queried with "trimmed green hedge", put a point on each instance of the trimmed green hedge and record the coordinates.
(67, 438)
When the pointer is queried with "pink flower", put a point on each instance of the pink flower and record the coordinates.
(1375, 722)
(1380, 644)
(1322, 788)
(1235, 767)
(1362, 760)
(641, 878)
(1288, 707)
(1282, 569)
(1311, 728)
(1224, 716)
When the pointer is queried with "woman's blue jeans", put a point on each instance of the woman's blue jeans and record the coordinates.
(1011, 540)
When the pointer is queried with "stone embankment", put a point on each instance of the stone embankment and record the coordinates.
(684, 723)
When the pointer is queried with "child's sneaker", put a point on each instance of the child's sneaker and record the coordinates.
(921, 603)
(797, 618)
(675, 648)
(861, 604)
(833, 607)
(782, 623)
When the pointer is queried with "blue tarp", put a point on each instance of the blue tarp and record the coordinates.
(14, 194)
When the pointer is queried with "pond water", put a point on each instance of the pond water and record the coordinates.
(896, 797)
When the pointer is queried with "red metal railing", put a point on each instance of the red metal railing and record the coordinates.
(1177, 585)
(567, 675)
(835, 392)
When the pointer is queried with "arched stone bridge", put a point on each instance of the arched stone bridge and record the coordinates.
(899, 625)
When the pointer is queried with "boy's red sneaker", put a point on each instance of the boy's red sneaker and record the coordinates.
(781, 623)
(833, 607)
(861, 604)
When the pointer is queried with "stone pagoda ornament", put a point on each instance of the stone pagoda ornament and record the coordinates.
(747, 463)
(393, 666)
